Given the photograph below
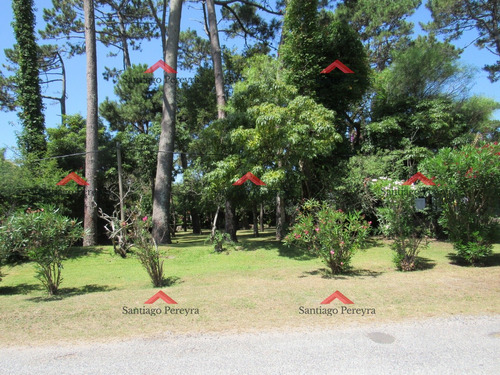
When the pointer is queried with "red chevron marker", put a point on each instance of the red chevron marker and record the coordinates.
(251, 177)
(161, 295)
(336, 64)
(160, 64)
(419, 176)
(338, 295)
(73, 176)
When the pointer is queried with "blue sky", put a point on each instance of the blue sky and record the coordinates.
(151, 52)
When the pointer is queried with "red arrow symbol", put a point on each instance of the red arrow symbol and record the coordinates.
(161, 295)
(160, 64)
(421, 177)
(251, 177)
(73, 176)
(338, 295)
(336, 64)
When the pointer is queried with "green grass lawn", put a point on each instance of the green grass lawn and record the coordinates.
(260, 286)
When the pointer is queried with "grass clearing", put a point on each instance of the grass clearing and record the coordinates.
(258, 288)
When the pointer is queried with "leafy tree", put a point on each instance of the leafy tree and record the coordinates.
(273, 131)
(139, 101)
(311, 42)
(453, 17)
(421, 100)
(468, 186)
(381, 25)
(32, 139)
(7, 93)
(50, 63)
(120, 24)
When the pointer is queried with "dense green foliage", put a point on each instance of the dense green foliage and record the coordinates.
(468, 187)
(32, 139)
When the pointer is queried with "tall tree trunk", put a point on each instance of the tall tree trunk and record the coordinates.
(195, 217)
(261, 217)
(255, 220)
(221, 100)
(91, 159)
(123, 33)
(280, 216)
(214, 224)
(164, 168)
(230, 222)
(216, 58)
(63, 91)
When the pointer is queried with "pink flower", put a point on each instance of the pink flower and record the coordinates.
(145, 218)
(369, 223)
(297, 236)
(316, 229)
(341, 263)
(306, 232)
(332, 252)
(342, 242)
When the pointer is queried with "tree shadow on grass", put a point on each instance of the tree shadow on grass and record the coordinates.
(294, 253)
(374, 242)
(78, 252)
(266, 244)
(327, 274)
(71, 292)
(19, 289)
(491, 261)
(425, 264)
(171, 280)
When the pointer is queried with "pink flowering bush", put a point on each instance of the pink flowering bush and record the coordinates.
(332, 235)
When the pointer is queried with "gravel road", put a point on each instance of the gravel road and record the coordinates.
(452, 345)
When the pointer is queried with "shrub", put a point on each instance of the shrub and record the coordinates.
(475, 251)
(332, 235)
(400, 220)
(44, 236)
(468, 186)
(147, 251)
(219, 239)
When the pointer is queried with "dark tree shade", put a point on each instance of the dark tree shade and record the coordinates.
(32, 139)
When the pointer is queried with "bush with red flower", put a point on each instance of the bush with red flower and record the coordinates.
(331, 234)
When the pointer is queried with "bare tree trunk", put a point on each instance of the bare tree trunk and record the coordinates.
(255, 220)
(261, 217)
(221, 100)
(164, 168)
(195, 217)
(63, 91)
(280, 216)
(91, 160)
(230, 221)
(216, 58)
(214, 224)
